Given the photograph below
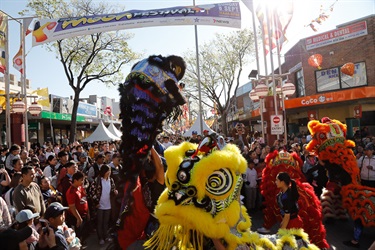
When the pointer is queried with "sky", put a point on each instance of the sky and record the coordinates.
(44, 69)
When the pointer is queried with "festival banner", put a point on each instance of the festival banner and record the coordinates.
(3, 31)
(220, 14)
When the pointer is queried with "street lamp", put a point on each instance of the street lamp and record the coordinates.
(19, 107)
(286, 90)
(258, 94)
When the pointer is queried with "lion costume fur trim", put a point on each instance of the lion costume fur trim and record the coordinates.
(185, 225)
(330, 144)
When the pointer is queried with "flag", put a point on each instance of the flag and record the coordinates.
(248, 4)
(43, 97)
(279, 18)
(3, 41)
(17, 59)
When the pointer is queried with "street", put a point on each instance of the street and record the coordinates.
(337, 232)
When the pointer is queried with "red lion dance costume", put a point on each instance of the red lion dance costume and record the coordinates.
(330, 144)
(309, 204)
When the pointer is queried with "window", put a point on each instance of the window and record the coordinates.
(333, 79)
(300, 83)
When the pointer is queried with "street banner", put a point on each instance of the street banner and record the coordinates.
(3, 38)
(220, 14)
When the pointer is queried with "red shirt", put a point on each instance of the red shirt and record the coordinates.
(77, 196)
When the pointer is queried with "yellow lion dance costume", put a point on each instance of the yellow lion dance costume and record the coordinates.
(202, 202)
(330, 144)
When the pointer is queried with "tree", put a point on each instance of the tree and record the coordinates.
(221, 63)
(96, 57)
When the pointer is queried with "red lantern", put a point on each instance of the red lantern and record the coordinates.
(316, 60)
(348, 69)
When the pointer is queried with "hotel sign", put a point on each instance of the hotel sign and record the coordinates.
(338, 35)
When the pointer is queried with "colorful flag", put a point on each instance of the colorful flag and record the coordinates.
(3, 40)
(279, 18)
(17, 59)
(43, 97)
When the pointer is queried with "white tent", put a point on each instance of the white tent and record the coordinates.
(196, 127)
(114, 130)
(101, 133)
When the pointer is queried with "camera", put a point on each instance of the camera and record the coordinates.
(45, 230)
(2, 166)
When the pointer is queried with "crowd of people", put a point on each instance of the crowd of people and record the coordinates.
(54, 196)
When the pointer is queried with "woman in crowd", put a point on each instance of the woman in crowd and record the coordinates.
(49, 171)
(101, 191)
(287, 200)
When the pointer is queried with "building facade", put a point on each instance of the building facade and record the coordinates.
(323, 91)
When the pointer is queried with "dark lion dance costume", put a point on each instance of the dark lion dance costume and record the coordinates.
(309, 204)
(330, 144)
(149, 96)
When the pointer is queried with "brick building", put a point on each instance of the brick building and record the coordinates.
(326, 91)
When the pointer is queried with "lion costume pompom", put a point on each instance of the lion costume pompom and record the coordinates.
(330, 144)
(309, 204)
(202, 202)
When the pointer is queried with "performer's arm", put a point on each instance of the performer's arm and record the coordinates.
(159, 168)
(218, 245)
(285, 221)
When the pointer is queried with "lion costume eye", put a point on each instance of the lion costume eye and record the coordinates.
(219, 182)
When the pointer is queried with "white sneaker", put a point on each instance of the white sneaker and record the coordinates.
(263, 230)
(101, 242)
(109, 239)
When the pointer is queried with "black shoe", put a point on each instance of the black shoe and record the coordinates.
(349, 243)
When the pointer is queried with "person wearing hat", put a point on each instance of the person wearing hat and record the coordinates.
(366, 164)
(206, 132)
(25, 218)
(11, 239)
(55, 215)
(194, 137)
(28, 193)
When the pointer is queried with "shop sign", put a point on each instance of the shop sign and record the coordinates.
(337, 35)
(86, 109)
(312, 115)
(33, 125)
(358, 111)
(60, 116)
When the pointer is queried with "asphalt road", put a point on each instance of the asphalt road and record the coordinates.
(337, 232)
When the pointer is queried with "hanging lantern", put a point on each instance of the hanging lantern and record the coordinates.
(348, 69)
(35, 109)
(316, 60)
(288, 89)
(253, 96)
(19, 106)
(261, 90)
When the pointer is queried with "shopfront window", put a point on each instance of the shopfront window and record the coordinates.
(300, 83)
(333, 79)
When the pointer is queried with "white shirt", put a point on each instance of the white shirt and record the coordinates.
(363, 162)
(105, 201)
(251, 176)
(167, 144)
